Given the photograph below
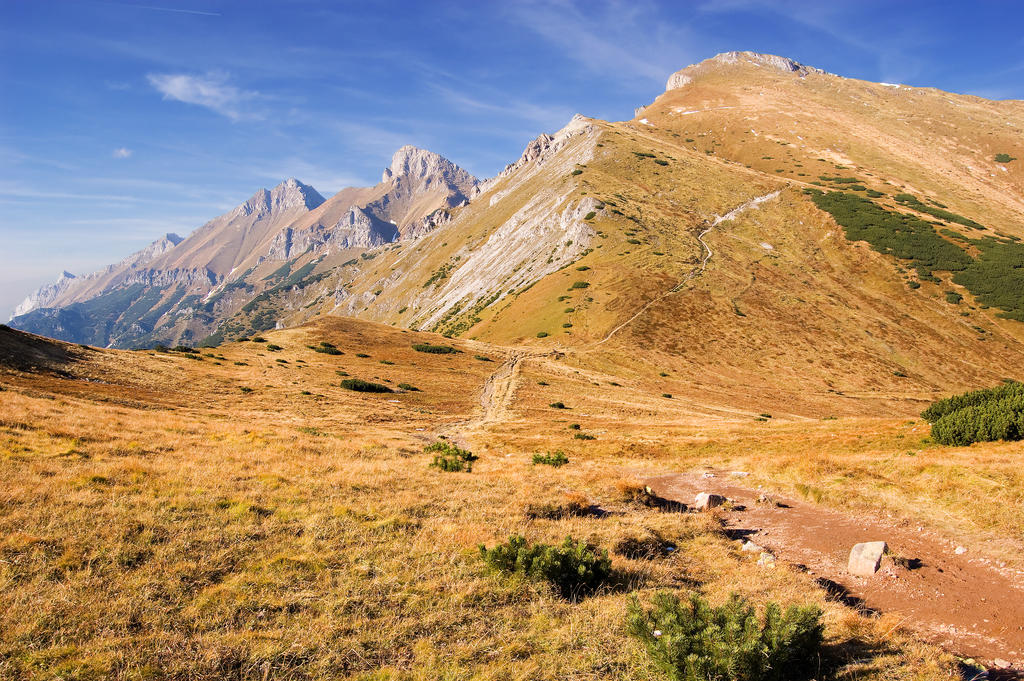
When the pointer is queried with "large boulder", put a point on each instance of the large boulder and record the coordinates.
(705, 500)
(865, 558)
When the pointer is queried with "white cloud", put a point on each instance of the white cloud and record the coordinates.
(624, 40)
(211, 91)
(122, 152)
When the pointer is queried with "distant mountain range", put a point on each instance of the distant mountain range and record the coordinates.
(762, 223)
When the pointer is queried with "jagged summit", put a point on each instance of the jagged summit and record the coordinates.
(685, 76)
(419, 164)
(289, 194)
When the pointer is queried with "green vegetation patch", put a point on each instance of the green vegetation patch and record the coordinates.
(904, 236)
(359, 385)
(573, 568)
(979, 416)
(996, 278)
(556, 459)
(911, 201)
(326, 349)
(690, 640)
(434, 349)
(449, 458)
(1004, 158)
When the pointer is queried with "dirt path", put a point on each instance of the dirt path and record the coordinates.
(696, 271)
(498, 391)
(965, 604)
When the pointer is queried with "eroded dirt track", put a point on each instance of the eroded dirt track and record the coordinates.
(967, 604)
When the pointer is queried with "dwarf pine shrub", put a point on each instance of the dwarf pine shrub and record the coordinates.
(573, 568)
(449, 458)
(359, 385)
(556, 459)
(979, 416)
(692, 641)
(434, 349)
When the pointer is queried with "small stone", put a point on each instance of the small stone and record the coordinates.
(750, 546)
(766, 559)
(705, 500)
(960, 551)
(865, 558)
(1001, 663)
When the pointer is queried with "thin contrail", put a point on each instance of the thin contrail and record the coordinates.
(168, 9)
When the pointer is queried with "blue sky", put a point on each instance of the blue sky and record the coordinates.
(120, 121)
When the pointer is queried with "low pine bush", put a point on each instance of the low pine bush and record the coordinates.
(434, 349)
(979, 416)
(573, 568)
(556, 459)
(326, 348)
(692, 641)
(449, 458)
(359, 385)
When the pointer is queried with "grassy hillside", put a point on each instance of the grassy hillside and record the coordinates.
(238, 514)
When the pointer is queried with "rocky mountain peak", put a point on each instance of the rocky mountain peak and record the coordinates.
(421, 164)
(288, 195)
(685, 76)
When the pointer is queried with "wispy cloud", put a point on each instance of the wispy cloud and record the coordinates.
(621, 40)
(211, 90)
(122, 152)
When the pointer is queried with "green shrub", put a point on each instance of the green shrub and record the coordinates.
(409, 387)
(274, 348)
(245, 389)
(1004, 158)
(259, 339)
(579, 284)
(556, 459)
(483, 358)
(584, 436)
(590, 216)
(953, 297)
(573, 568)
(449, 458)
(558, 405)
(542, 334)
(359, 385)
(327, 349)
(576, 172)
(434, 349)
(363, 355)
(903, 236)
(979, 416)
(660, 162)
(691, 641)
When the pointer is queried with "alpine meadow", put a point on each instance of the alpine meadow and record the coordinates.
(727, 391)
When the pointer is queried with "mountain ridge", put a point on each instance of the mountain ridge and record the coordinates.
(595, 243)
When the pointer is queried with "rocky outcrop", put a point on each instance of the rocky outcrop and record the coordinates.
(544, 146)
(358, 228)
(546, 234)
(685, 77)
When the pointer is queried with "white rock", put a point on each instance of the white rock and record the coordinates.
(706, 500)
(865, 558)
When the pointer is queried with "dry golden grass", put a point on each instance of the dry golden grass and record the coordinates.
(211, 534)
